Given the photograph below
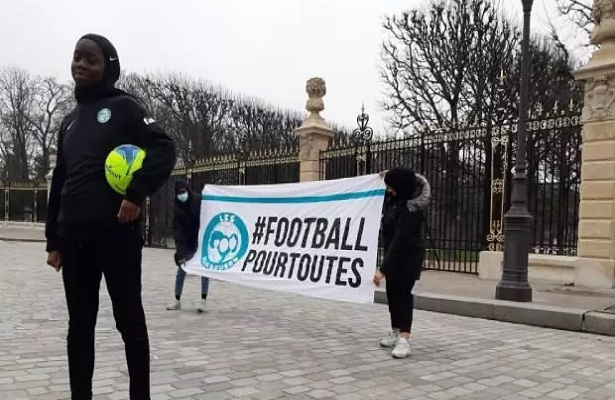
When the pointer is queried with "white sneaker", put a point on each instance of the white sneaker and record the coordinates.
(201, 307)
(177, 305)
(390, 341)
(402, 349)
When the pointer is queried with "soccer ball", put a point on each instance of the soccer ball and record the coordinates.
(120, 165)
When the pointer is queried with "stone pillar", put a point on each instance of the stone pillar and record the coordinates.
(595, 265)
(52, 165)
(314, 134)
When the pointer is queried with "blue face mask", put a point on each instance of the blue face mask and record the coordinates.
(183, 197)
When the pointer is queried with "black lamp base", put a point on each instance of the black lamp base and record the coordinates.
(513, 291)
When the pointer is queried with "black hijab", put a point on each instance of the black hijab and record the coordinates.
(106, 86)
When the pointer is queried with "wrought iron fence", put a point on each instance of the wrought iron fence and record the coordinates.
(469, 169)
(23, 202)
(256, 168)
(468, 166)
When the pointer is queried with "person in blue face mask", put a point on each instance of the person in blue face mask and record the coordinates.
(186, 221)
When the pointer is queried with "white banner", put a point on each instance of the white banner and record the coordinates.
(316, 239)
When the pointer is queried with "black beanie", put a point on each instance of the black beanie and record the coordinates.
(112, 61)
(180, 185)
(402, 181)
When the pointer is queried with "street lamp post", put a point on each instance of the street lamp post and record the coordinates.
(514, 284)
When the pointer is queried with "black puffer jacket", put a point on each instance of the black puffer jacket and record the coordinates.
(186, 222)
(402, 228)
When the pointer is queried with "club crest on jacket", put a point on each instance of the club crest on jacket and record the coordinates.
(103, 115)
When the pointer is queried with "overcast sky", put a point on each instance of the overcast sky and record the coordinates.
(261, 48)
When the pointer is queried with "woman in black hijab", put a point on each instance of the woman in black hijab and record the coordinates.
(91, 229)
(404, 254)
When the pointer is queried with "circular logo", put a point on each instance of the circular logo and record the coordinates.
(103, 115)
(225, 242)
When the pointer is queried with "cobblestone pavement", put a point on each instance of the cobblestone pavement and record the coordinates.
(263, 345)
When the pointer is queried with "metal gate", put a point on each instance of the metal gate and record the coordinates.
(469, 170)
(269, 167)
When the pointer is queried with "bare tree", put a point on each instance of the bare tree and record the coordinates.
(208, 120)
(263, 126)
(195, 112)
(142, 87)
(493, 62)
(51, 101)
(17, 94)
(443, 62)
(579, 12)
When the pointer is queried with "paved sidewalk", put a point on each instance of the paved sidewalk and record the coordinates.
(264, 345)
(569, 308)
(544, 293)
(24, 232)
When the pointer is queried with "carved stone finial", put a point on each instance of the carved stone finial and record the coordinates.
(604, 16)
(316, 89)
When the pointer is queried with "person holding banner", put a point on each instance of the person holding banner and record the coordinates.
(402, 226)
(422, 194)
(186, 222)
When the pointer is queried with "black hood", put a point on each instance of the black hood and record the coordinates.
(181, 185)
(402, 181)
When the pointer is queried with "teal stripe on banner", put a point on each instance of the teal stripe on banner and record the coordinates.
(295, 200)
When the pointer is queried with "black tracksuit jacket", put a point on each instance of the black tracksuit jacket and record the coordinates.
(80, 194)
(402, 241)
(186, 222)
